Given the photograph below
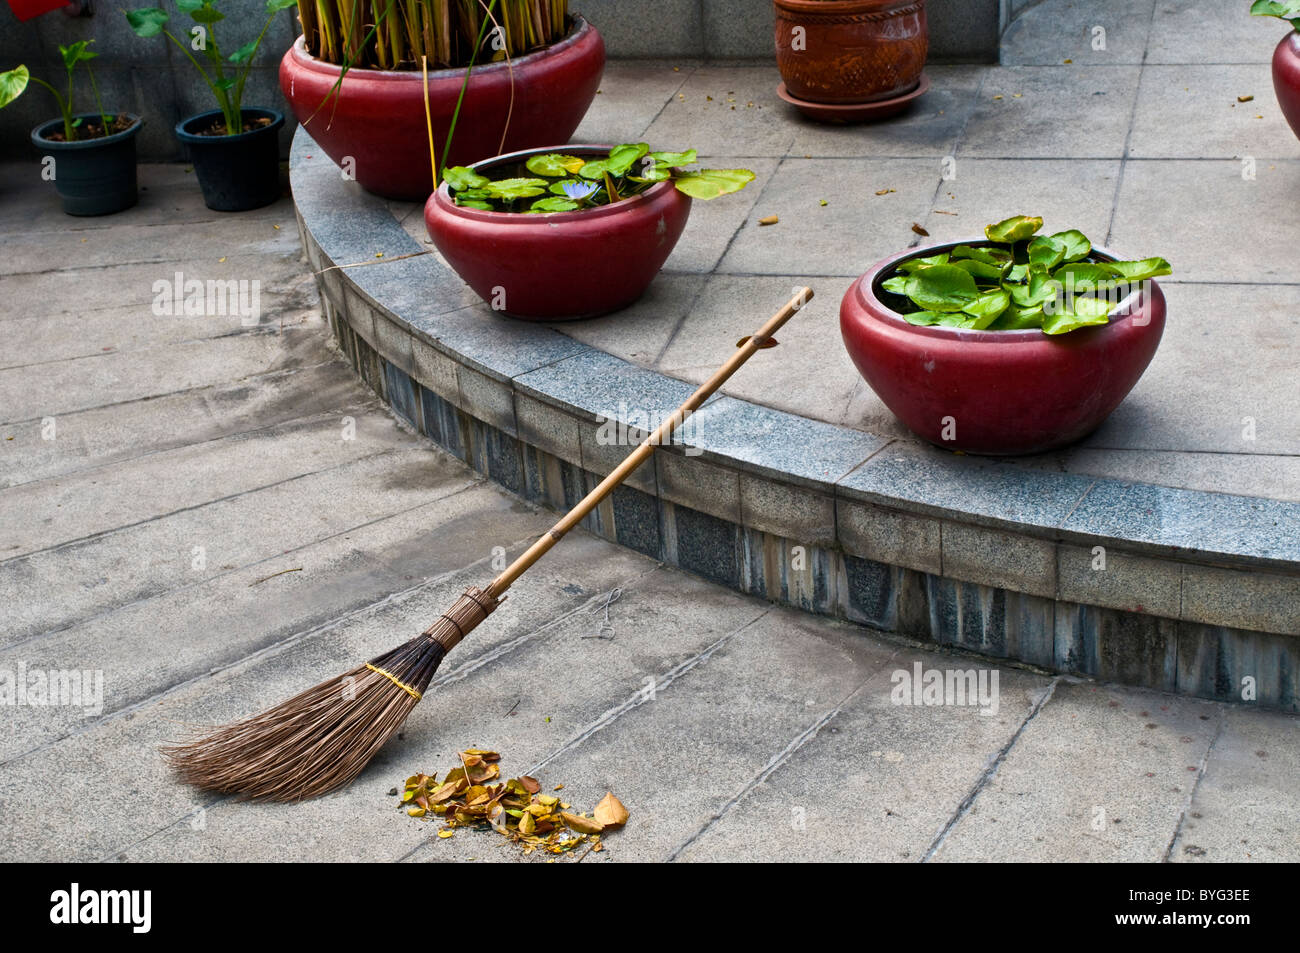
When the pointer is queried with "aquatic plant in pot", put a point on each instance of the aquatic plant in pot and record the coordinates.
(521, 73)
(1012, 344)
(235, 149)
(90, 156)
(850, 60)
(545, 235)
(1286, 57)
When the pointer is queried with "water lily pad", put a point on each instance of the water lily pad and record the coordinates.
(990, 256)
(554, 165)
(987, 308)
(1141, 270)
(1045, 252)
(710, 183)
(981, 269)
(915, 264)
(944, 288)
(1014, 229)
(459, 178)
(1077, 246)
(1085, 276)
(510, 189)
(1076, 313)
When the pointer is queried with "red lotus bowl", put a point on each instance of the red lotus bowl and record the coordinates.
(376, 126)
(559, 265)
(998, 392)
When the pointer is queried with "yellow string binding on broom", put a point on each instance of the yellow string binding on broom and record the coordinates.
(396, 681)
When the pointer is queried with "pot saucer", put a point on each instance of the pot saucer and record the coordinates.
(855, 112)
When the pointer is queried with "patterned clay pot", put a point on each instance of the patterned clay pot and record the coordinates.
(850, 51)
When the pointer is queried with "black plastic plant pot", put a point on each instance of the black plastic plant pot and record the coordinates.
(236, 172)
(92, 176)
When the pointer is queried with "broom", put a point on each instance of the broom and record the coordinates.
(321, 739)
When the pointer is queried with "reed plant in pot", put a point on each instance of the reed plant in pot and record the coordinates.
(377, 84)
(235, 148)
(89, 156)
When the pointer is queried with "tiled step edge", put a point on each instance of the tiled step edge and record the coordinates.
(1185, 591)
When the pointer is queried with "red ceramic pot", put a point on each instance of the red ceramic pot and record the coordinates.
(850, 51)
(559, 265)
(378, 121)
(998, 392)
(1286, 78)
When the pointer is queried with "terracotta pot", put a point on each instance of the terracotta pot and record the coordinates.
(1286, 78)
(998, 392)
(377, 121)
(559, 265)
(850, 51)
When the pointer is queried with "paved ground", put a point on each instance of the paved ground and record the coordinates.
(1142, 144)
(183, 512)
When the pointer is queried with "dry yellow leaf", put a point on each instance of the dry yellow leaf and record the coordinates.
(445, 834)
(610, 812)
(769, 220)
(583, 825)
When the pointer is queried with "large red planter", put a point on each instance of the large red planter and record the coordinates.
(1286, 78)
(850, 51)
(377, 121)
(559, 265)
(997, 392)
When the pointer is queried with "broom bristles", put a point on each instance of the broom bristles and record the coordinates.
(316, 741)
(321, 739)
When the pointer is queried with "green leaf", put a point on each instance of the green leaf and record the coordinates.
(1014, 229)
(146, 22)
(944, 288)
(244, 52)
(189, 6)
(674, 160)
(924, 318)
(1017, 273)
(987, 308)
(655, 173)
(75, 53)
(554, 165)
(1040, 290)
(896, 284)
(990, 256)
(916, 264)
(981, 269)
(275, 6)
(1286, 9)
(207, 14)
(509, 189)
(1077, 246)
(459, 178)
(621, 158)
(1078, 313)
(12, 84)
(1141, 270)
(554, 203)
(474, 203)
(1018, 319)
(1045, 253)
(225, 82)
(1085, 276)
(710, 183)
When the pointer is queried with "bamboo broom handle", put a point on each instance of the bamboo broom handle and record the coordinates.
(647, 447)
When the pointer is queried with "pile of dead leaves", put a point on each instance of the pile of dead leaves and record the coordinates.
(468, 797)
